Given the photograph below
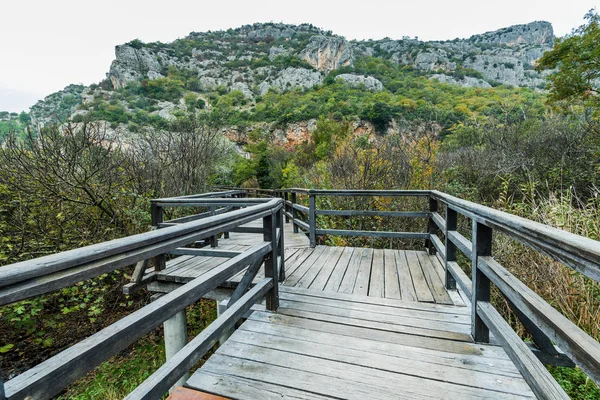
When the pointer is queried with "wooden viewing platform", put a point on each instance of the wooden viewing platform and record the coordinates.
(302, 320)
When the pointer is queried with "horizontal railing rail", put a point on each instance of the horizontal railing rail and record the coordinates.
(53, 375)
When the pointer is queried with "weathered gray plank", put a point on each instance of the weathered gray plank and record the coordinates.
(421, 288)
(349, 279)
(335, 280)
(236, 387)
(377, 282)
(293, 278)
(407, 288)
(321, 276)
(392, 284)
(434, 282)
(361, 286)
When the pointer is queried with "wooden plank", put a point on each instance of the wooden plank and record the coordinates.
(392, 283)
(386, 321)
(439, 269)
(349, 279)
(438, 220)
(335, 280)
(361, 286)
(422, 291)
(377, 309)
(324, 266)
(295, 261)
(381, 326)
(294, 277)
(204, 252)
(374, 213)
(434, 282)
(377, 281)
(492, 360)
(382, 336)
(407, 288)
(535, 373)
(420, 366)
(381, 383)
(393, 303)
(51, 376)
(247, 389)
(179, 364)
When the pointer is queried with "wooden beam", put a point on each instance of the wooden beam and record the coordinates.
(385, 234)
(183, 251)
(373, 213)
(572, 340)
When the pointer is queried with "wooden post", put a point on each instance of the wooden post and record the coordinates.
(269, 235)
(451, 225)
(281, 245)
(176, 339)
(294, 213)
(312, 221)
(156, 214)
(482, 246)
(431, 226)
(2, 392)
(286, 207)
(214, 242)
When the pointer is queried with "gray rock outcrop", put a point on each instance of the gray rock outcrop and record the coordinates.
(369, 82)
(326, 53)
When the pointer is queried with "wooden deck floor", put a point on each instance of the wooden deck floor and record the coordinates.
(353, 323)
(395, 274)
(323, 345)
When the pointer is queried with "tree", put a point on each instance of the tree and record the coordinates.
(577, 57)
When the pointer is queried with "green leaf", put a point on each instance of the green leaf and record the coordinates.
(6, 349)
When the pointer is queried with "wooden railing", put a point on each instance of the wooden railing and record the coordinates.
(42, 275)
(558, 341)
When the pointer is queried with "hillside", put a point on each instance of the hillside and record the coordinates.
(288, 75)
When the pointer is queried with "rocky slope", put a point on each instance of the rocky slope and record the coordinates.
(254, 59)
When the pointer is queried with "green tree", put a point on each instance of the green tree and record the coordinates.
(577, 57)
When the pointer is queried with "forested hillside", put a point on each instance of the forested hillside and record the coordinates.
(506, 118)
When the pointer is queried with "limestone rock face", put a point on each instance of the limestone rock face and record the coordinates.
(292, 77)
(538, 33)
(326, 53)
(368, 81)
(467, 81)
(132, 64)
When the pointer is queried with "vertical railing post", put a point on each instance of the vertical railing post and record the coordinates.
(312, 220)
(451, 225)
(286, 207)
(214, 242)
(294, 213)
(431, 226)
(270, 235)
(2, 392)
(482, 246)
(156, 215)
(280, 244)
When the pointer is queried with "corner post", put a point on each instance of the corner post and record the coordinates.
(156, 214)
(294, 213)
(431, 226)
(175, 340)
(312, 221)
(482, 246)
(280, 244)
(451, 225)
(270, 235)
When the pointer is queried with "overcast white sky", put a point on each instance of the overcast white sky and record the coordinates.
(48, 44)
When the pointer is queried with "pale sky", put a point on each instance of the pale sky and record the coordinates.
(48, 44)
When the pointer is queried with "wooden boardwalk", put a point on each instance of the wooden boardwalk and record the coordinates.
(352, 323)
